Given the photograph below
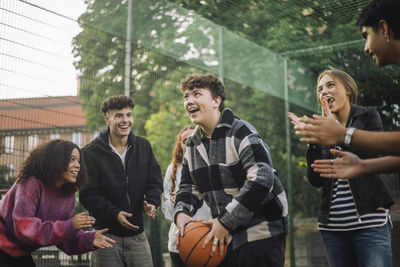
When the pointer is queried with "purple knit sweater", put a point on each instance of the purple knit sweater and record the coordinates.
(34, 215)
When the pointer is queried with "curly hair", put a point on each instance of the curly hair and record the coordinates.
(116, 102)
(177, 155)
(209, 81)
(48, 161)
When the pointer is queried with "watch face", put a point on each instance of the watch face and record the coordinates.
(347, 139)
(348, 136)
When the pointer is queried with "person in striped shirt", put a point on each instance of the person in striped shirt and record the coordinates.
(354, 219)
(380, 25)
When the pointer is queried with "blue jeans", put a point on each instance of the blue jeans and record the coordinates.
(369, 247)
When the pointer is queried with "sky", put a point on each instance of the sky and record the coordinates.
(35, 47)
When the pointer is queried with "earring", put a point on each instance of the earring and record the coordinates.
(387, 37)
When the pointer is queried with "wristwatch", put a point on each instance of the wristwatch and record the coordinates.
(348, 136)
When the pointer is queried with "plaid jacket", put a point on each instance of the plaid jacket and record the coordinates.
(237, 181)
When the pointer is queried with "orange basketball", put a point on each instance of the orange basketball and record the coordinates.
(190, 250)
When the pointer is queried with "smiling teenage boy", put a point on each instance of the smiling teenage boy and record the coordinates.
(380, 25)
(124, 182)
(227, 165)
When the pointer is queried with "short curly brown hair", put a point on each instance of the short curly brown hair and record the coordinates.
(116, 102)
(48, 161)
(209, 81)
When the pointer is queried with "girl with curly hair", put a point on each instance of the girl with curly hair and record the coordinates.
(39, 208)
(171, 185)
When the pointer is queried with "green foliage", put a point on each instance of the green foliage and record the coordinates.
(5, 183)
(162, 127)
(315, 34)
(267, 115)
(306, 32)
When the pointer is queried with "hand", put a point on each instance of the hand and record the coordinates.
(101, 241)
(320, 130)
(81, 220)
(295, 120)
(181, 221)
(326, 112)
(219, 233)
(347, 166)
(172, 197)
(149, 210)
(122, 215)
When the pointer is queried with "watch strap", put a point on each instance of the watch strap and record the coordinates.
(349, 136)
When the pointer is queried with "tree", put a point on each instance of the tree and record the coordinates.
(326, 28)
(167, 44)
(162, 127)
(156, 77)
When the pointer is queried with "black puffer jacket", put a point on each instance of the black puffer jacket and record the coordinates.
(112, 189)
(369, 191)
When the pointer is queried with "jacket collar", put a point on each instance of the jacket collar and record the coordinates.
(225, 121)
(103, 139)
(355, 112)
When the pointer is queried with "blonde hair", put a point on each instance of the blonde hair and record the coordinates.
(345, 79)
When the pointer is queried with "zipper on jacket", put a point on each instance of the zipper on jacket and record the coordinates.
(126, 177)
(333, 183)
(351, 192)
(127, 193)
(355, 204)
(348, 124)
(127, 180)
(330, 201)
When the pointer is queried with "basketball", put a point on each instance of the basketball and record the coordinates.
(190, 250)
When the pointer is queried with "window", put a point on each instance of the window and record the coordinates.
(9, 144)
(55, 136)
(10, 172)
(77, 139)
(33, 141)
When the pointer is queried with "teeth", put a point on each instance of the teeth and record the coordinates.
(329, 99)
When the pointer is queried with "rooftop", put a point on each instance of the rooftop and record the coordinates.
(41, 113)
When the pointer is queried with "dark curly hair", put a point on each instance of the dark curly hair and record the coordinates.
(48, 161)
(209, 81)
(388, 10)
(116, 102)
(177, 155)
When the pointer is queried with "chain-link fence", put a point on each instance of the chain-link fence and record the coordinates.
(57, 69)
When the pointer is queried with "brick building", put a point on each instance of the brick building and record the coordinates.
(27, 122)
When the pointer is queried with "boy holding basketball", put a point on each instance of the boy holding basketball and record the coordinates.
(227, 165)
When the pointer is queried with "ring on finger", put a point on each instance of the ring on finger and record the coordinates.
(331, 161)
(215, 242)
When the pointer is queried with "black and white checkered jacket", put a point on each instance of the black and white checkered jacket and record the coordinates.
(236, 179)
